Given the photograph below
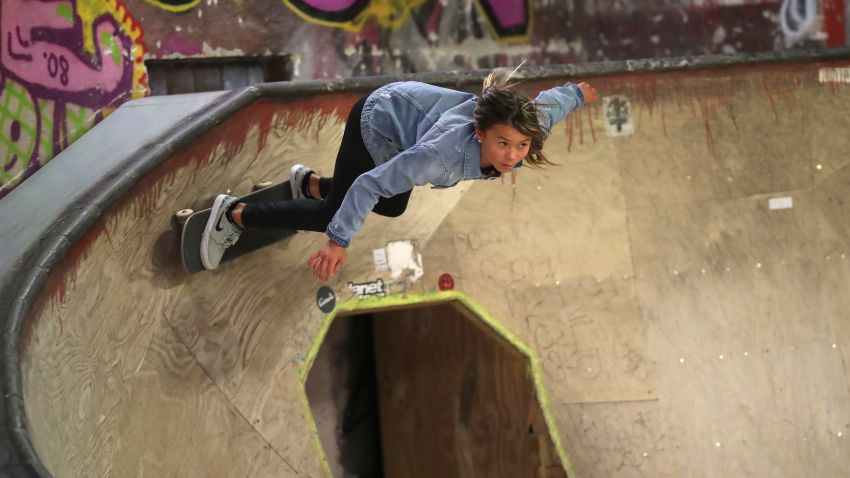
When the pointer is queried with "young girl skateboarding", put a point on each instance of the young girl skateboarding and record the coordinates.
(402, 135)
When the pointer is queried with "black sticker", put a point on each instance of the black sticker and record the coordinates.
(325, 299)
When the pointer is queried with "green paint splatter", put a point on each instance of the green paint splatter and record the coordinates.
(109, 43)
(64, 11)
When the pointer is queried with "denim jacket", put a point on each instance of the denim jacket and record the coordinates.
(422, 134)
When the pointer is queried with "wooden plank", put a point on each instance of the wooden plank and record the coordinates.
(454, 401)
(255, 74)
(180, 80)
(207, 77)
(234, 76)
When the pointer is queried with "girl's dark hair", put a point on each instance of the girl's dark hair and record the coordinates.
(500, 103)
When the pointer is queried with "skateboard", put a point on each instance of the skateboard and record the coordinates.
(250, 240)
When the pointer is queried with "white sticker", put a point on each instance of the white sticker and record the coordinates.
(618, 116)
(781, 203)
(834, 75)
(402, 257)
(380, 258)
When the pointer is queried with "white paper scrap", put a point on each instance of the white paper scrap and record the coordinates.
(781, 203)
(380, 258)
(403, 259)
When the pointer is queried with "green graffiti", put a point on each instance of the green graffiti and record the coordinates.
(79, 120)
(18, 131)
(109, 43)
(64, 11)
(45, 146)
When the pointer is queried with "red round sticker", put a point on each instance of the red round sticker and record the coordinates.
(446, 281)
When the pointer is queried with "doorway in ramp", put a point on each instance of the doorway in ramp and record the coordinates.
(429, 390)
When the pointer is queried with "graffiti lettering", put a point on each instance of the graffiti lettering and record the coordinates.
(375, 288)
(55, 65)
(506, 18)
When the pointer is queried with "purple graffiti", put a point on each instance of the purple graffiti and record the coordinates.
(43, 49)
(330, 5)
(57, 64)
(508, 13)
(508, 17)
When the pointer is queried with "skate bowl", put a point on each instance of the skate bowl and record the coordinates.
(669, 300)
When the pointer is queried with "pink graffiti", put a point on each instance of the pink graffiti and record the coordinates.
(508, 13)
(508, 17)
(330, 5)
(44, 51)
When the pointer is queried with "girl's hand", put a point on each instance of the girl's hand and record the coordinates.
(327, 261)
(589, 92)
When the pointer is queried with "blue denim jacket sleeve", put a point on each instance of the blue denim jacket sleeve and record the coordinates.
(556, 103)
(415, 166)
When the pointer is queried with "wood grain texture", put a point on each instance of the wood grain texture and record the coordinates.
(683, 328)
(455, 399)
(667, 276)
(243, 331)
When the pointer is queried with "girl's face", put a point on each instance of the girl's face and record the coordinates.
(502, 146)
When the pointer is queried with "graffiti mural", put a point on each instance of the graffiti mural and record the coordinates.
(175, 6)
(507, 18)
(344, 38)
(64, 65)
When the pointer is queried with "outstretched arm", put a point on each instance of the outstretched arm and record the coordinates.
(556, 103)
(416, 166)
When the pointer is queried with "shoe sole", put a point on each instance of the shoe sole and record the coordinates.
(293, 184)
(205, 237)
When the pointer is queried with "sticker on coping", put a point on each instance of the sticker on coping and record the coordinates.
(780, 203)
(618, 119)
(401, 259)
(834, 75)
(325, 299)
(364, 289)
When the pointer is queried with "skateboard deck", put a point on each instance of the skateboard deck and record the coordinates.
(250, 240)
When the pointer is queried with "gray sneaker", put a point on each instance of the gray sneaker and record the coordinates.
(220, 233)
(297, 174)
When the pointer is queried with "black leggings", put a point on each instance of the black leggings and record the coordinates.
(352, 160)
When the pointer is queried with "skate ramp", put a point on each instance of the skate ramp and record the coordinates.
(680, 278)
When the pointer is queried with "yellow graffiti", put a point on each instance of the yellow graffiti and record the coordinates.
(89, 11)
(387, 13)
(177, 7)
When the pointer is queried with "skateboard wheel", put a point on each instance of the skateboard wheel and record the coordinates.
(262, 185)
(182, 215)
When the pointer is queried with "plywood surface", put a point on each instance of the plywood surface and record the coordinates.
(683, 327)
(454, 400)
